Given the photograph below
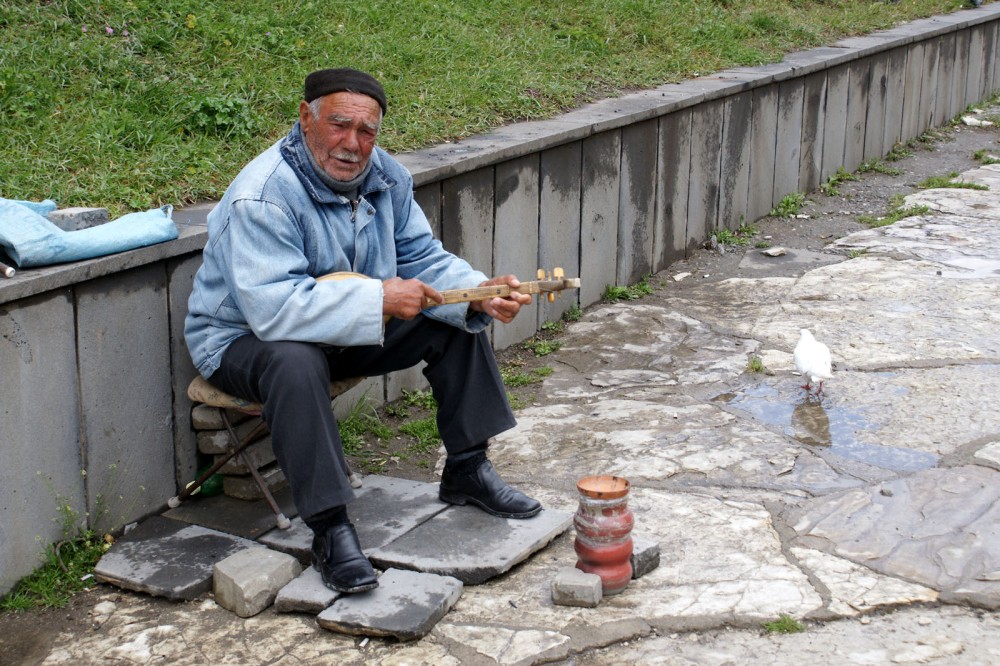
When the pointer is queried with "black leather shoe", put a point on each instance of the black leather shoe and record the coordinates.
(484, 488)
(338, 558)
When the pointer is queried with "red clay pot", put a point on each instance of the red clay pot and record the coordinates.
(604, 531)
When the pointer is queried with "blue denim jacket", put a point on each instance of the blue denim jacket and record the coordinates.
(279, 227)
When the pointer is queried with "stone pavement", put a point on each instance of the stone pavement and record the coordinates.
(870, 513)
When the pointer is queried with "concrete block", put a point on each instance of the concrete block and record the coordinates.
(180, 276)
(74, 219)
(39, 412)
(258, 455)
(248, 581)
(516, 219)
(963, 60)
(673, 165)
(559, 228)
(895, 86)
(858, 88)
(813, 122)
(929, 87)
(428, 198)
(735, 166)
(471, 545)
(875, 117)
(168, 558)
(637, 198)
(406, 605)
(706, 159)
(216, 442)
(123, 341)
(572, 587)
(763, 126)
(835, 127)
(975, 85)
(945, 76)
(467, 217)
(788, 145)
(306, 594)
(371, 390)
(645, 556)
(599, 214)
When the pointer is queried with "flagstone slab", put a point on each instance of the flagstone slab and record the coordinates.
(468, 544)
(306, 594)
(406, 605)
(243, 518)
(168, 558)
(939, 528)
(385, 508)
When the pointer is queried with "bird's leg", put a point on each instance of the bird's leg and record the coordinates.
(819, 390)
(806, 387)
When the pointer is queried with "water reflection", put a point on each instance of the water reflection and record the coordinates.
(835, 429)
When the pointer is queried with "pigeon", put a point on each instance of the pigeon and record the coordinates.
(812, 360)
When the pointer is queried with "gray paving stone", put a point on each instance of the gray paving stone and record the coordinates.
(572, 587)
(470, 544)
(74, 219)
(248, 581)
(645, 556)
(248, 519)
(406, 605)
(167, 558)
(305, 594)
(385, 509)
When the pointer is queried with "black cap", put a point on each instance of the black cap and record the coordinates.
(326, 81)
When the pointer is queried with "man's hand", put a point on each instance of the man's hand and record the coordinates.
(502, 309)
(404, 299)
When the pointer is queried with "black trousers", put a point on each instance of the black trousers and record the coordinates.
(291, 380)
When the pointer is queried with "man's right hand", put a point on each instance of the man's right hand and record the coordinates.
(404, 299)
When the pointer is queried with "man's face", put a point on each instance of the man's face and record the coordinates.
(342, 135)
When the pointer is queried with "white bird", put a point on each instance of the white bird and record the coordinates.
(812, 360)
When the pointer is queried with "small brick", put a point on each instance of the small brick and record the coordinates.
(74, 219)
(572, 587)
(645, 556)
(248, 581)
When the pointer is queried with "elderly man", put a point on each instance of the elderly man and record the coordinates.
(326, 199)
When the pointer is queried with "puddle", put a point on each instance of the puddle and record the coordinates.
(816, 424)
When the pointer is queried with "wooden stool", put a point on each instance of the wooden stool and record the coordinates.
(200, 391)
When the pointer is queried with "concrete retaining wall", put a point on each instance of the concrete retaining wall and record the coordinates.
(96, 423)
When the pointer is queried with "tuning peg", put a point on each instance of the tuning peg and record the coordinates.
(541, 273)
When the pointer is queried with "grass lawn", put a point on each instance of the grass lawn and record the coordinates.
(130, 104)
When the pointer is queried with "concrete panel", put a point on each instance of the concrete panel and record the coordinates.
(992, 54)
(963, 61)
(946, 79)
(180, 277)
(601, 176)
(467, 217)
(637, 201)
(813, 122)
(735, 166)
(370, 392)
(673, 166)
(428, 198)
(559, 226)
(858, 88)
(39, 441)
(763, 129)
(706, 164)
(976, 89)
(929, 88)
(913, 76)
(835, 128)
(411, 379)
(895, 85)
(788, 146)
(125, 394)
(517, 223)
(875, 118)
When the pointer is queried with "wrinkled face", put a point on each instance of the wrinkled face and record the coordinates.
(342, 135)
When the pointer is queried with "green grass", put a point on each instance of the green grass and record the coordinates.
(897, 212)
(985, 158)
(831, 187)
(742, 235)
(633, 292)
(130, 104)
(67, 569)
(755, 364)
(878, 166)
(789, 205)
(784, 625)
(934, 182)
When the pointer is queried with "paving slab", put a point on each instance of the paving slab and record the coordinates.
(248, 581)
(468, 544)
(168, 558)
(305, 594)
(385, 508)
(243, 518)
(406, 605)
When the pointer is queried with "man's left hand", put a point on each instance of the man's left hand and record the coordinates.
(502, 309)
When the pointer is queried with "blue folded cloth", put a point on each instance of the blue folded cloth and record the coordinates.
(31, 240)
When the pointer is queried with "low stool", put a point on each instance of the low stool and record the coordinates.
(200, 391)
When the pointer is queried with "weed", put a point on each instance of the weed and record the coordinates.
(755, 364)
(899, 151)
(425, 431)
(361, 420)
(785, 624)
(416, 398)
(573, 313)
(67, 569)
(948, 181)
(984, 158)
(513, 378)
(831, 187)
(634, 292)
(542, 347)
(741, 236)
(878, 166)
(789, 205)
(554, 326)
(894, 215)
(854, 254)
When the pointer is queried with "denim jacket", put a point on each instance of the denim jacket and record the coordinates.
(279, 227)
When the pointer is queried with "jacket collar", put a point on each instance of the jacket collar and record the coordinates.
(293, 151)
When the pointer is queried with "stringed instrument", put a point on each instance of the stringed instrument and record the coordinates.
(548, 284)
